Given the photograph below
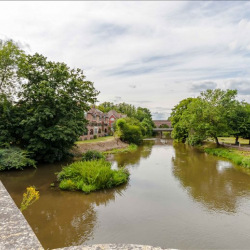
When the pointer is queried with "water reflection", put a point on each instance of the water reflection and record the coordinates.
(135, 157)
(214, 183)
(59, 218)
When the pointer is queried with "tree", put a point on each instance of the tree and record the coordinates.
(105, 107)
(206, 116)
(180, 129)
(216, 108)
(128, 131)
(54, 99)
(239, 121)
(10, 58)
(146, 124)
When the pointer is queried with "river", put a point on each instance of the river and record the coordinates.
(177, 197)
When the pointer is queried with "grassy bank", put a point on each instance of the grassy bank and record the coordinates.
(238, 157)
(99, 139)
(130, 148)
(90, 176)
(230, 140)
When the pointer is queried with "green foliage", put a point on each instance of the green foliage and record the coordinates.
(208, 115)
(47, 116)
(55, 98)
(129, 130)
(195, 139)
(91, 155)
(14, 158)
(129, 149)
(89, 176)
(9, 122)
(147, 128)
(95, 136)
(180, 131)
(10, 58)
(231, 155)
(140, 114)
(239, 120)
(163, 126)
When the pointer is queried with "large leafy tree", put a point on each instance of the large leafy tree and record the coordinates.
(52, 106)
(206, 116)
(216, 108)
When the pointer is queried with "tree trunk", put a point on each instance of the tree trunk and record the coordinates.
(217, 141)
(237, 140)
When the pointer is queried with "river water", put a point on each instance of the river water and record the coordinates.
(177, 197)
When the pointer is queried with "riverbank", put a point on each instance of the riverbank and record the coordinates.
(238, 155)
(102, 146)
(241, 158)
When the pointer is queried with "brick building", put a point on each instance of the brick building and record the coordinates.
(99, 123)
(113, 115)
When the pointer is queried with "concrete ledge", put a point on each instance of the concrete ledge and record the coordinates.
(15, 232)
(112, 247)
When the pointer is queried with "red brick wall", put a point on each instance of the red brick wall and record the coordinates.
(159, 122)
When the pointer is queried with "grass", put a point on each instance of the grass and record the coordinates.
(130, 148)
(90, 176)
(241, 158)
(99, 139)
(231, 140)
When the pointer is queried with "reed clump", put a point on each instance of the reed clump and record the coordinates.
(88, 176)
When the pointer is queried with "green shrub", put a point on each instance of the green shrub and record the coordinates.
(95, 136)
(89, 176)
(14, 158)
(91, 155)
(129, 130)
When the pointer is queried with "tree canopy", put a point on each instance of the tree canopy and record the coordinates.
(212, 114)
(48, 116)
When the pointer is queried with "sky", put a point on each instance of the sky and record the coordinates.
(149, 54)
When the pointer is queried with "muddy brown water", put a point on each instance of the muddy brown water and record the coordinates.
(177, 197)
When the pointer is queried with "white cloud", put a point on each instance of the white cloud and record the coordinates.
(162, 47)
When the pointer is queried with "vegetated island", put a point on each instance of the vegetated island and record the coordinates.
(91, 174)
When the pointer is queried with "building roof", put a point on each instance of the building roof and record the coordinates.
(96, 111)
(116, 114)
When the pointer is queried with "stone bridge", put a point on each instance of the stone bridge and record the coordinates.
(160, 130)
